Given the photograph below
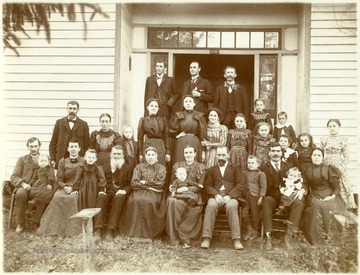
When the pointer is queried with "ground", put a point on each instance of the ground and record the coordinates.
(28, 252)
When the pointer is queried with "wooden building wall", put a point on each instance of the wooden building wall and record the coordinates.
(334, 75)
(38, 84)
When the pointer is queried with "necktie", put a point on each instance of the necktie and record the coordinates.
(277, 167)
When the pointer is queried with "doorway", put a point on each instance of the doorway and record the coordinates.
(212, 66)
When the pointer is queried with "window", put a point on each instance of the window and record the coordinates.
(176, 38)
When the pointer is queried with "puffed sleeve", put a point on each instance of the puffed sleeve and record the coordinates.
(334, 179)
(50, 176)
(141, 134)
(157, 181)
(166, 136)
(174, 124)
(60, 175)
(92, 140)
(118, 139)
(78, 178)
(202, 130)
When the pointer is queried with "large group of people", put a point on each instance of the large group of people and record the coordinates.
(198, 160)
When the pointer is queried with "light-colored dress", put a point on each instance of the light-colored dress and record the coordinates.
(239, 142)
(337, 154)
(216, 133)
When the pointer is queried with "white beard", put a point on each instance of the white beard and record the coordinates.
(116, 164)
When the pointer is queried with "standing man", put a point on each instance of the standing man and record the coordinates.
(224, 188)
(199, 88)
(231, 98)
(66, 128)
(163, 88)
(20, 178)
(275, 170)
(118, 188)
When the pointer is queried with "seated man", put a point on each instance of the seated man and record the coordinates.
(118, 188)
(224, 188)
(20, 178)
(275, 171)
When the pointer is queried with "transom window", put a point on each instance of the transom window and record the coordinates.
(177, 38)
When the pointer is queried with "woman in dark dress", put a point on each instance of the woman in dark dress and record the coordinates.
(153, 131)
(189, 128)
(323, 200)
(145, 210)
(104, 139)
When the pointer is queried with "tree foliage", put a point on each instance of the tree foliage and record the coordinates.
(15, 15)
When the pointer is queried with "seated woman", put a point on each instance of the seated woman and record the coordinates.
(183, 220)
(144, 213)
(55, 220)
(323, 199)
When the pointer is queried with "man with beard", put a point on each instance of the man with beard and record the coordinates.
(20, 178)
(163, 88)
(223, 188)
(275, 171)
(200, 88)
(66, 128)
(118, 188)
(231, 98)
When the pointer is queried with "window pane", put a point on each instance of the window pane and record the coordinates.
(185, 39)
(227, 39)
(242, 39)
(156, 38)
(271, 40)
(268, 64)
(170, 39)
(214, 39)
(257, 40)
(199, 39)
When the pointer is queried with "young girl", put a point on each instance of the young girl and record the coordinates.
(42, 182)
(289, 155)
(337, 154)
(304, 149)
(261, 143)
(255, 192)
(89, 181)
(177, 187)
(130, 146)
(284, 128)
(239, 142)
(259, 116)
(293, 183)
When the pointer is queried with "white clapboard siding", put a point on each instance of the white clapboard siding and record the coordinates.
(334, 76)
(38, 83)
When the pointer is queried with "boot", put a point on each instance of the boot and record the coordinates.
(250, 234)
(268, 244)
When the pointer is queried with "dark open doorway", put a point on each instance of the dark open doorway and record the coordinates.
(212, 67)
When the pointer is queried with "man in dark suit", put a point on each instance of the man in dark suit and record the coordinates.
(223, 188)
(199, 88)
(275, 170)
(231, 98)
(66, 128)
(163, 88)
(118, 188)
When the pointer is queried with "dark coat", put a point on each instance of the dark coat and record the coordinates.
(273, 186)
(207, 94)
(120, 179)
(234, 183)
(241, 103)
(166, 93)
(23, 170)
(62, 134)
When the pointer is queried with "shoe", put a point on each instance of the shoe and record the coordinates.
(205, 243)
(109, 234)
(238, 245)
(268, 244)
(185, 245)
(250, 234)
(288, 241)
(19, 228)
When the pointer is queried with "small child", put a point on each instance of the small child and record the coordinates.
(255, 192)
(130, 145)
(259, 116)
(89, 181)
(293, 184)
(42, 182)
(182, 181)
(261, 143)
(284, 128)
(289, 155)
(304, 149)
(239, 142)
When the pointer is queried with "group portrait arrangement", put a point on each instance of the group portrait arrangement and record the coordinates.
(170, 181)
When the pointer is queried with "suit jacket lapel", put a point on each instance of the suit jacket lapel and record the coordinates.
(66, 123)
(76, 124)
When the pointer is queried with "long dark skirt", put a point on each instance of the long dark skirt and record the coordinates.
(144, 215)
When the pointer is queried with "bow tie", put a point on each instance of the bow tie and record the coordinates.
(159, 77)
(74, 160)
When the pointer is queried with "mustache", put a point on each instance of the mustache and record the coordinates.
(221, 162)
